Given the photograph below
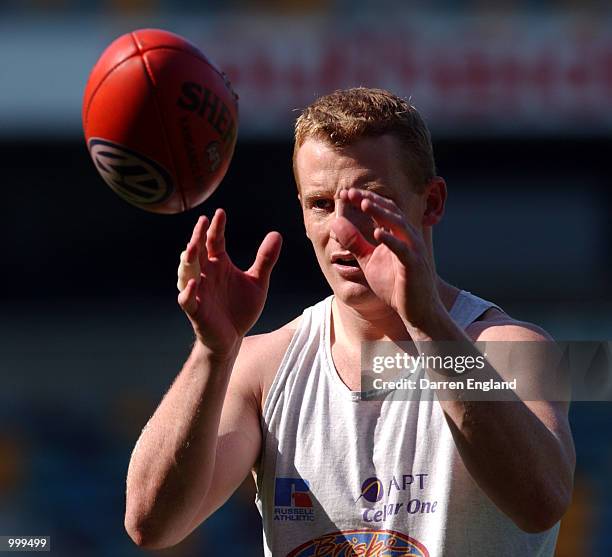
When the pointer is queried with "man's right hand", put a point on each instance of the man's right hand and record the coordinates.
(224, 302)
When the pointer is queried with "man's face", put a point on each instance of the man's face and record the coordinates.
(323, 171)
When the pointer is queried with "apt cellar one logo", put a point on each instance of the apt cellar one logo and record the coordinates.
(134, 177)
(372, 490)
(292, 500)
(404, 494)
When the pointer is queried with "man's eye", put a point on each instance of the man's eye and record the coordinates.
(323, 204)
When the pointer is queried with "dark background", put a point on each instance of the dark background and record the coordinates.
(527, 220)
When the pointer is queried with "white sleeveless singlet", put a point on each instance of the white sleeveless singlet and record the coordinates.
(342, 477)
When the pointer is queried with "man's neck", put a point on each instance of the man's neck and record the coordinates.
(351, 326)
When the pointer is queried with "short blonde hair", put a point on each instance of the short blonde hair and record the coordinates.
(345, 116)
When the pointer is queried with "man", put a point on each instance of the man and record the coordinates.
(337, 475)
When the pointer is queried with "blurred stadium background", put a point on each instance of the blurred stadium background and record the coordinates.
(519, 100)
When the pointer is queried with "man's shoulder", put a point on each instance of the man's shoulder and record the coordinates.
(497, 325)
(276, 340)
(261, 355)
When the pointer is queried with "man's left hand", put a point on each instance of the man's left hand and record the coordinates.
(397, 267)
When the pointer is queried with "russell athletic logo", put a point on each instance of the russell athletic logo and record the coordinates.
(292, 500)
(132, 176)
(373, 543)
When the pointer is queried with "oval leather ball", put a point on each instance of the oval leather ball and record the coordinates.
(160, 121)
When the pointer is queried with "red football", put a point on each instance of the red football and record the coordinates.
(160, 121)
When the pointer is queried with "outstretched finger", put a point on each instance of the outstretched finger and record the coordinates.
(190, 255)
(189, 267)
(350, 238)
(187, 298)
(388, 219)
(215, 238)
(400, 248)
(266, 258)
(384, 211)
(199, 230)
(197, 243)
(357, 195)
(202, 229)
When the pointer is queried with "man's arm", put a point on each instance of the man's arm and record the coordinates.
(239, 437)
(204, 437)
(520, 453)
(195, 451)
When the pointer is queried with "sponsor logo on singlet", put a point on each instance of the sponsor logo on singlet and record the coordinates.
(292, 500)
(373, 543)
(386, 499)
(372, 490)
(134, 177)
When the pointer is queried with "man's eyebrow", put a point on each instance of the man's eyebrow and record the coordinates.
(378, 188)
(318, 193)
(369, 186)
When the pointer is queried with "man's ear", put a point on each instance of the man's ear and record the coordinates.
(435, 201)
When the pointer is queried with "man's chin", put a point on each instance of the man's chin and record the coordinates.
(353, 291)
(355, 294)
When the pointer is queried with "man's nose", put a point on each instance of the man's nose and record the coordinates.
(358, 218)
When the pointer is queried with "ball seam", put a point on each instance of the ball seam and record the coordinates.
(162, 121)
(101, 82)
(201, 57)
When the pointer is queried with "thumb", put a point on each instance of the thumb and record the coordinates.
(350, 238)
(266, 258)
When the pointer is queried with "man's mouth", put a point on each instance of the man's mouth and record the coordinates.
(344, 260)
(347, 262)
